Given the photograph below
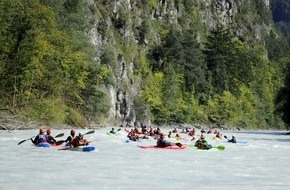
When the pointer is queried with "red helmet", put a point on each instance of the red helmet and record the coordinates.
(48, 131)
(72, 132)
(41, 130)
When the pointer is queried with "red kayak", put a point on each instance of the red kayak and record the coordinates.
(173, 147)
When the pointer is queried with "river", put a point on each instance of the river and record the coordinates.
(259, 164)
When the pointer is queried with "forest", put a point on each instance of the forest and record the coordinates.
(49, 71)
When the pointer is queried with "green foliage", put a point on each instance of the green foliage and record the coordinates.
(46, 110)
(283, 96)
(74, 117)
(281, 16)
(277, 46)
(232, 110)
(218, 50)
(47, 58)
(48, 69)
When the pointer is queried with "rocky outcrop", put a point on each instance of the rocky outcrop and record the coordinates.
(121, 24)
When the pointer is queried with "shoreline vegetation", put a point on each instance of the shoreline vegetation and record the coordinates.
(10, 121)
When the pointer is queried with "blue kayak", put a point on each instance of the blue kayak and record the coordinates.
(43, 144)
(81, 148)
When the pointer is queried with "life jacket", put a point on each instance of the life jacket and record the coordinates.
(41, 138)
(200, 144)
(191, 133)
(81, 142)
(72, 138)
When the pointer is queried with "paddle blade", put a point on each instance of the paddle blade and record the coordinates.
(25, 140)
(89, 132)
(221, 147)
(119, 129)
(22, 141)
(59, 135)
(179, 144)
(59, 142)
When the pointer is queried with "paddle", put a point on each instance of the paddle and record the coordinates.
(221, 147)
(62, 141)
(25, 140)
(59, 135)
(226, 137)
(178, 144)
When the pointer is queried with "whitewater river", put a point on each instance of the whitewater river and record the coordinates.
(261, 163)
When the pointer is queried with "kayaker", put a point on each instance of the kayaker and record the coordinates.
(113, 131)
(161, 142)
(41, 137)
(202, 143)
(50, 138)
(70, 138)
(177, 137)
(169, 134)
(218, 135)
(79, 141)
(192, 133)
(233, 140)
(157, 131)
(174, 130)
(132, 135)
(151, 131)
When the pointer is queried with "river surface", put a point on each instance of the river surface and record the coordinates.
(262, 163)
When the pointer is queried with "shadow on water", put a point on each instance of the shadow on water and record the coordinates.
(280, 140)
(262, 135)
(265, 132)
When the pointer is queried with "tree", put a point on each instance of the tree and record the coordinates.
(217, 52)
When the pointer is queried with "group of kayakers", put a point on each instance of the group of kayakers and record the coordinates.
(72, 140)
(76, 140)
(201, 143)
(41, 137)
(134, 134)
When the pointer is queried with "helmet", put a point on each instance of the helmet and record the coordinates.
(48, 131)
(202, 136)
(41, 130)
(113, 129)
(81, 135)
(72, 132)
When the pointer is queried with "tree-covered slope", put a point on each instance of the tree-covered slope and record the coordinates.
(162, 62)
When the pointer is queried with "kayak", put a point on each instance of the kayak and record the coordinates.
(84, 148)
(172, 147)
(111, 134)
(216, 148)
(43, 144)
(219, 148)
(217, 138)
(80, 148)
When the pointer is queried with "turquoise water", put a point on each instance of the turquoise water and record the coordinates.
(261, 163)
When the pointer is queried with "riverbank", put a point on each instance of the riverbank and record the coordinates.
(10, 121)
